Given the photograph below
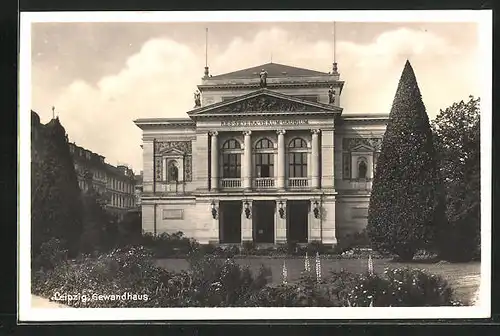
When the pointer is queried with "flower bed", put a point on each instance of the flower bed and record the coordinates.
(214, 282)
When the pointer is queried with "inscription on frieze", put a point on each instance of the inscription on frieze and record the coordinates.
(348, 144)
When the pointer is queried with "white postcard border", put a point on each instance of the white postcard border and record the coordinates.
(27, 313)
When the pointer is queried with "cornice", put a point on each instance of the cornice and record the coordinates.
(266, 114)
(214, 87)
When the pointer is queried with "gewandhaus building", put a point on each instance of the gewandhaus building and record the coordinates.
(266, 155)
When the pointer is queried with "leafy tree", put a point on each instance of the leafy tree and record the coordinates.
(407, 201)
(457, 140)
(100, 231)
(55, 196)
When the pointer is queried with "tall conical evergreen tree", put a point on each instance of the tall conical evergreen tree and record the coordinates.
(407, 203)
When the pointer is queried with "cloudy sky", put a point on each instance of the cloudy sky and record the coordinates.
(102, 76)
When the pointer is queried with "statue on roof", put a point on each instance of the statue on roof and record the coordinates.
(263, 78)
(331, 95)
(197, 99)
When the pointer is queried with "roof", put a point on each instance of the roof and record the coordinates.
(273, 70)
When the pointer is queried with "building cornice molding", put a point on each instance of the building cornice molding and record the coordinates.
(347, 118)
(154, 123)
(246, 86)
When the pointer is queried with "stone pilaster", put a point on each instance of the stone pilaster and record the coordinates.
(246, 223)
(328, 234)
(200, 165)
(314, 225)
(280, 183)
(247, 162)
(214, 171)
(280, 227)
(214, 229)
(327, 161)
(315, 162)
(148, 164)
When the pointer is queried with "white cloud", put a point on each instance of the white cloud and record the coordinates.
(159, 81)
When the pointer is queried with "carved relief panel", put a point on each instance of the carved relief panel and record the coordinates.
(173, 161)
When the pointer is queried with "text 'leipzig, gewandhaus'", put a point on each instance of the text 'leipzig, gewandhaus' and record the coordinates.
(266, 155)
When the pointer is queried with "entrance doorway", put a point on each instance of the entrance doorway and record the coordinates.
(297, 221)
(263, 221)
(230, 222)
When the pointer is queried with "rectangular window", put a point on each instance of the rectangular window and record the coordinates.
(231, 165)
(297, 165)
(264, 164)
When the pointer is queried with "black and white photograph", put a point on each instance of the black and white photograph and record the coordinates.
(338, 162)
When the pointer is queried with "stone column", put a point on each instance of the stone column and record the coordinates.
(280, 233)
(280, 183)
(214, 171)
(247, 163)
(315, 159)
(246, 223)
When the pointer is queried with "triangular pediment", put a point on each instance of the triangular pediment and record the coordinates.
(363, 148)
(263, 102)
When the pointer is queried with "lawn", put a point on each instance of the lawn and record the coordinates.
(463, 277)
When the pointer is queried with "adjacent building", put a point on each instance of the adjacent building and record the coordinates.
(116, 185)
(266, 155)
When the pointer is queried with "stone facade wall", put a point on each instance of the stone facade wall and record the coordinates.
(351, 214)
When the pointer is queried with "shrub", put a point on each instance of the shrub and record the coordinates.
(353, 240)
(275, 296)
(248, 247)
(114, 273)
(407, 199)
(51, 254)
(223, 283)
(397, 288)
(170, 245)
(315, 247)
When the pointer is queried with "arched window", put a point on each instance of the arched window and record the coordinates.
(264, 144)
(231, 159)
(231, 144)
(362, 168)
(298, 143)
(264, 158)
(173, 171)
(297, 158)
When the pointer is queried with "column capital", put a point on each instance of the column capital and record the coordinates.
(281, 132)
(315, 131)
(247, 133)
(213, 133)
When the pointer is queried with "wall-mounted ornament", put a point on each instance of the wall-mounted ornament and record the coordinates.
(247, 210)
(281, 210)
(316, 210)
(214, 210)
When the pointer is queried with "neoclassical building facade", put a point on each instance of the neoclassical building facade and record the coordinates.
(267, 155)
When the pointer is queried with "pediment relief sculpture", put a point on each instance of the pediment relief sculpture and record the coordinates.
(179, 147)
(266, 104)
(362, 144)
